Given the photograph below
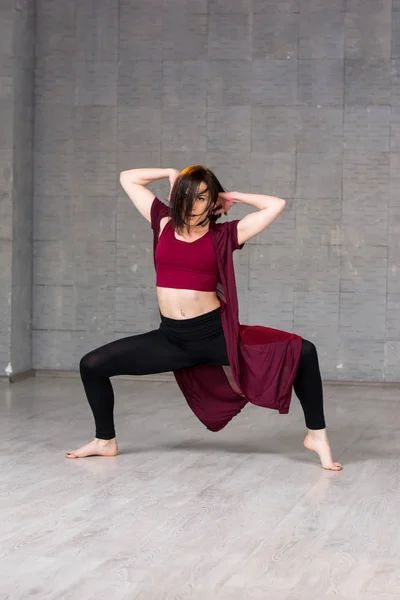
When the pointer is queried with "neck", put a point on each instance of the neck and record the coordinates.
(199, 228)
(194, 232)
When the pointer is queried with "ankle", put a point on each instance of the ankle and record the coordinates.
(317, 433)
(103, 442)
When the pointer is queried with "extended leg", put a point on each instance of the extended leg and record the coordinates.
(308, 388)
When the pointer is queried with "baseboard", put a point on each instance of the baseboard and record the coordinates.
(15, 377)
(360, 383)
(166, 377)
(169, 377)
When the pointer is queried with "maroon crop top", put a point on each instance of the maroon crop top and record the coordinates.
(185, 265)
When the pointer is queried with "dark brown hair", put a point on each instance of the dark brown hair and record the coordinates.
(184, 192)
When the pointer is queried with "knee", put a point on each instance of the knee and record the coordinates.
(89, 362)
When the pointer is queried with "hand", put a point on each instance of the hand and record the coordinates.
(225, 202)
(172, 176)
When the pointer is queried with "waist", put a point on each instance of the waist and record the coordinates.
(208, 325)
(190, 333)
(183, 304)
(208, 316)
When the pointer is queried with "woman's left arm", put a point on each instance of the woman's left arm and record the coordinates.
(269, 209)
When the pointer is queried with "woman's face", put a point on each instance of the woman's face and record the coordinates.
(199, 205)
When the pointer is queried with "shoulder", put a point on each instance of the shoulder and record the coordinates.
(229, 231)
(159, 210)
(163, 223)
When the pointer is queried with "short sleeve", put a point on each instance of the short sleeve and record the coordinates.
(158, 211)
(232, 231)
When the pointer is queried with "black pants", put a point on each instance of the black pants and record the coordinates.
(178, 344)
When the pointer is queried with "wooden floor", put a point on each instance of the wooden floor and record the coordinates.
(182, 513)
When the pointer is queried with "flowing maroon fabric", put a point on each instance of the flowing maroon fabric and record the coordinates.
(263, 361)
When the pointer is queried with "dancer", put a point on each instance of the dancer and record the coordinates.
(219, 364)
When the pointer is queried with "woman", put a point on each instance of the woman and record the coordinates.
(199, 329)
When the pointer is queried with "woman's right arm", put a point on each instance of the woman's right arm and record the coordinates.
(134, 182)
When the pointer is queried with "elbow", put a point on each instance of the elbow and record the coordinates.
(275, 203)
(281, 205)
(278, 205)
(125, 177)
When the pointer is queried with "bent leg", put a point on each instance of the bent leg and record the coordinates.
(142, 354)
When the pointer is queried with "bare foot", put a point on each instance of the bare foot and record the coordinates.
(317, 440)
(96, 448)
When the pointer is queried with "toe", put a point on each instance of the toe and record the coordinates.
(334, 467)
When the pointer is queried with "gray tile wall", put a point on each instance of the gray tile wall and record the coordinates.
(17, 35)
(298, 98)
(23, 71)
(6, 178)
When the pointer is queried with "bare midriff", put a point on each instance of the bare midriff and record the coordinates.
(184, 304)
